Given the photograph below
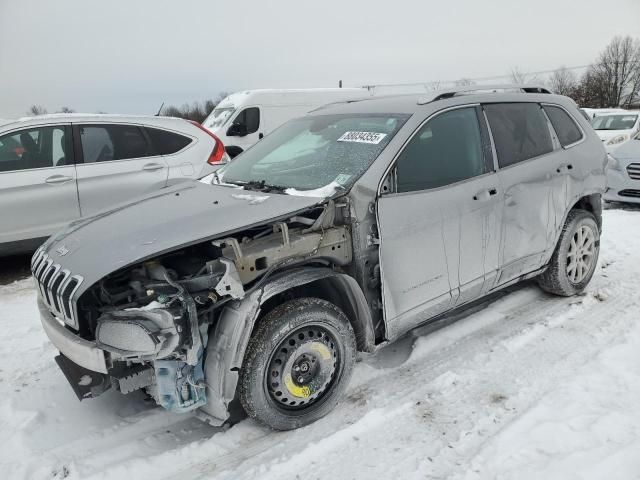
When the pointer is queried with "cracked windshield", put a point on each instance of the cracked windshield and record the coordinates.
(315, 152)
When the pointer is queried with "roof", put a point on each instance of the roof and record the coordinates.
(298, 90)
(89, 117)
(414, 103)
(291, 96)
(619, 112)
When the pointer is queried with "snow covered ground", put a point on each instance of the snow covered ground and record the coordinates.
(529, 387)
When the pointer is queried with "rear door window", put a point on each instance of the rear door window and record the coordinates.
(566, 129)
(165, 142)
(103, 143)
(520, 131)
(39, 147)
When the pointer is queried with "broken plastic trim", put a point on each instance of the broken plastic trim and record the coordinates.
(192, 313)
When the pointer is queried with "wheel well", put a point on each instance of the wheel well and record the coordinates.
(593, 204)
(337, 291)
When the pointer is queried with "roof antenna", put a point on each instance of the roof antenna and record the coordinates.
(159, 110)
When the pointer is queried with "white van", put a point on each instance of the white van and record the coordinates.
(243, 118)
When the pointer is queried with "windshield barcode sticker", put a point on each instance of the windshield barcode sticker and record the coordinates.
(362, 137)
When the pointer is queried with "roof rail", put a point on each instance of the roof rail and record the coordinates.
(449, 93)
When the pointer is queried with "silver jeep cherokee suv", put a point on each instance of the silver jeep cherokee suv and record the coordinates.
(337, 233)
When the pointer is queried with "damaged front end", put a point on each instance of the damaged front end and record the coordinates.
(147, 320)
(152, 320)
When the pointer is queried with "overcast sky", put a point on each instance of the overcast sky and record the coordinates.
(128, 56)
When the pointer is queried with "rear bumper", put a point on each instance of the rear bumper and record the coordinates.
(81, 352)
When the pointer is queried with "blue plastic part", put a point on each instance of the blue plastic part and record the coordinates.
(181, 386)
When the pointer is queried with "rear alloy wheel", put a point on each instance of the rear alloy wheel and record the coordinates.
(575, 257)
(581, 255)
(298, 363)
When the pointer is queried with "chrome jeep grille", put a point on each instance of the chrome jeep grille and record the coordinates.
(633, 170)
(56, 287)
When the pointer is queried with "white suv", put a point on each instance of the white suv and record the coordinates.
(57, 168)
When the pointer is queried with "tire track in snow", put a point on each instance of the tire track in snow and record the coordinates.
(491, 366)
(550, 358)
(509, 318)
(517, 327)
(472, 335)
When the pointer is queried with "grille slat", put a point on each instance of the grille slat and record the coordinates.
(56, 286)
(47, 277)
(633, 170)
(629, 193)
(36, 260)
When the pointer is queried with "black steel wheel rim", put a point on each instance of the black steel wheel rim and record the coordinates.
(303, 367)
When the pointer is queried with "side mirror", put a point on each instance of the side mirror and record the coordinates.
(237, 130)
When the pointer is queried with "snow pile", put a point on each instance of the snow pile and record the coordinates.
(322, 192)
(252, 199)
(530, 386)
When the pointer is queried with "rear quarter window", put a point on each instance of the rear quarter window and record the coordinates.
(566, 129)
(520, 131)
(165, 142)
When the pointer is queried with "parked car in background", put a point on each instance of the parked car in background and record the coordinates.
(614, 129)
(594, 112)
(57, 168)
(339, 232)
(623, 173)
(243, 118)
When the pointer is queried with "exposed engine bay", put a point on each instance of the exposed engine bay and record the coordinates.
(154, 318)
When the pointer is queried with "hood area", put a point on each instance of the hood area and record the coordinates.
(185, 214)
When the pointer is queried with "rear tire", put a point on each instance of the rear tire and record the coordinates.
(575, 257)
(298, 364)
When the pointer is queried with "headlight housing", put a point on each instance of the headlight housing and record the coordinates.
(618, 139)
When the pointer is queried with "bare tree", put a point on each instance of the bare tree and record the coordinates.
(196, 111)
(563, 81)
(432, 86)
(464, 82)
(633, 98)
(618, 68)
(633, 94)
(37, 110)
(65, 110)
(591, 90)
(520, 77)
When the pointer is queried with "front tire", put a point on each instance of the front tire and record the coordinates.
(575, 257)
(298, 364)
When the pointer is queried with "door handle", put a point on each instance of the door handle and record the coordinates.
(564, 168)
(58, 179)
(151, 167)
(484, 195)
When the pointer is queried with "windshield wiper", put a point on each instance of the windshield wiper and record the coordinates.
(263, 186)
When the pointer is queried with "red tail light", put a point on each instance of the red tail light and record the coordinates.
(217, 156)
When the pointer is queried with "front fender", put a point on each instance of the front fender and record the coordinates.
(228, 342)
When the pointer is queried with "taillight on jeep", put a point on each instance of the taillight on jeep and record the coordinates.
(218, 155)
